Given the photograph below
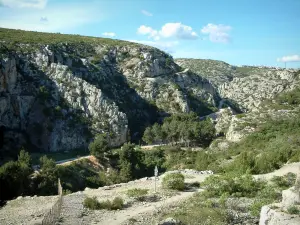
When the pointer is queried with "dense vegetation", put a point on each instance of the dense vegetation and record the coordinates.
(227, 198)
(273, 145)
(14, 177)
(181, 128)
(32, 37)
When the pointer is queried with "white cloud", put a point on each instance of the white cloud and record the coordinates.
(169, 30)
(146, 13)
(144, 30)
(289, 58)
(59, 18)
(40, 4)
(178, 30)
(167, 46)
(217, 33)
(109, 34)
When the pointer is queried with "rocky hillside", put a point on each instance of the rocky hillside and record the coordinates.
(243, 87)
(58, 91)
(257, 94)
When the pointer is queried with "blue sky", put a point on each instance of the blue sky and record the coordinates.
(252, 32)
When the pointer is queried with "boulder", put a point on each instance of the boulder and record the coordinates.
(290, 197)
(170, 221)
(272, 216)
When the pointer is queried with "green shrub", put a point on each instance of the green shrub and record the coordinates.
(93, 203)
(240, 115)
(137, 193)
(117, 203)
(15, 177)
(293, 210)
(240, 186)
(99, 146)
(199, 210)
(255, 208)
(285, 181)
(174, 181)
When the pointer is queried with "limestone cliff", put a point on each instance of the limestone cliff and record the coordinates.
(58, 91)
(250, 90)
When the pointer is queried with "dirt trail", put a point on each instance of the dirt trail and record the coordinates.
(292, 167)
(123, 215)
(135, 208)
(72, 209)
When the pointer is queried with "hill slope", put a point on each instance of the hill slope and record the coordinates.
(58, 91)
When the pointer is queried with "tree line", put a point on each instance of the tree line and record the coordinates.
(184, 129)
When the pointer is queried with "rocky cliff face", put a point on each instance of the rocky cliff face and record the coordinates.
(56, 94)
(244, 89)
(58, 91)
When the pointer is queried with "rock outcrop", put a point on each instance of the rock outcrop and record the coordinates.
(57, 95)
(244, 88)
(281, 213)
(58, 91)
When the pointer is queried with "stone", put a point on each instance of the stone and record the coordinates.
(290, 197)
(170, 221)
(269, 216)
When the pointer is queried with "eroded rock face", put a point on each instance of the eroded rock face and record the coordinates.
(260, 84)
(269, 216)
(42, 100)
(58, 97)
(278, 213)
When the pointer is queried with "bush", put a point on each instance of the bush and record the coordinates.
(255, 208)
(173, 181)
(199, 210)
(117, 203)
(293, 210)
(241, 186)
(137, 193)
(99, 146)
(285, 181)
(93, 203)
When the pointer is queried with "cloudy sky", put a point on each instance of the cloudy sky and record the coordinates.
(256, 32)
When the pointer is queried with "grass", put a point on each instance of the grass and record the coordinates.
(32, 37)
(137, 193)
(285, 181)
(197, 210)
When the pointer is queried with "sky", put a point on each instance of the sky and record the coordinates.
(239, 32)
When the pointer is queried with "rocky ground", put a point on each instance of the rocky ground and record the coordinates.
(26, 210)
(139, 211)
(30, 210)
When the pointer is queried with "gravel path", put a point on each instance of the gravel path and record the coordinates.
(134, 208)
(292, 167)
(72, 209)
